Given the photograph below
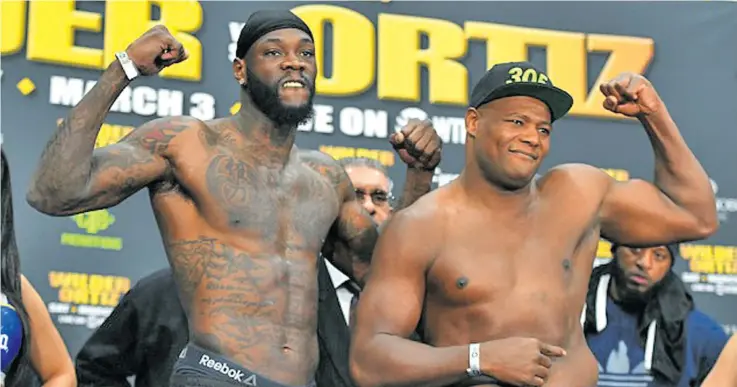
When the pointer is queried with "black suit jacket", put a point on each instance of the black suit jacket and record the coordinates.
(142, 337)
(332, 334)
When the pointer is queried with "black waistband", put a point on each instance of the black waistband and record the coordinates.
(198, 367)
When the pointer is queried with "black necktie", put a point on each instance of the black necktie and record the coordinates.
(354, 301)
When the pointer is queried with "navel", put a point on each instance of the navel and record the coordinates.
(566, 264)
(235, 220)
(461, 282)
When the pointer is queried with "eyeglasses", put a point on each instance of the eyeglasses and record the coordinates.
(378, 197)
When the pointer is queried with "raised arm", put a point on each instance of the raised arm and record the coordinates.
(71, 182)
(72, 177)
(382, 354)
(420, 148)
(351, 240)
(354, 237)
(679, 205)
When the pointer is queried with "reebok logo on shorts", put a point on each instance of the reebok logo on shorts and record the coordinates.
(230, 372)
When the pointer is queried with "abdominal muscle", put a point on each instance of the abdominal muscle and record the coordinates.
(258, 309)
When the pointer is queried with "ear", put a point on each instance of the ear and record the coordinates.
(239, 71)
(472, 119)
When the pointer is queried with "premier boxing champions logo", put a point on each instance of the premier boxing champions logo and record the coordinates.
(92, 223)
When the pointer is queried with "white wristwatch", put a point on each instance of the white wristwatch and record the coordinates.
(131, 72)
(474, 360)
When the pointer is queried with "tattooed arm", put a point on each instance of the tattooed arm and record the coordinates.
(353, 236)
(354, 239)
(73, 177)
(350, 241)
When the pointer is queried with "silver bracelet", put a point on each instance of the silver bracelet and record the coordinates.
(131, 72)
(474, 360)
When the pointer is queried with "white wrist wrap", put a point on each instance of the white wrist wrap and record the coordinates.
(131, 72)
(474, 360)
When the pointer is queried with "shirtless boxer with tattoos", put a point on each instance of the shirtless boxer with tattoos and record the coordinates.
(242, 212)
(497, 262)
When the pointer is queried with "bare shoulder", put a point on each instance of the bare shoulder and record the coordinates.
(158, 136)
(25, 284)
(312, 155)
(578, 188)
(31, 298)
(411, 239)
(326, 166)
(317, 160)
(577, 172)
(581, 177)
(425, 218)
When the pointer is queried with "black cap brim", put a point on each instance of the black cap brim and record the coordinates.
(558, 100)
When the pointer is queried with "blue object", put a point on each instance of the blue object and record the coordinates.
(11, 335)
(621, 356)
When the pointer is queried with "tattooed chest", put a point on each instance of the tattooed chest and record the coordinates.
(291, 203)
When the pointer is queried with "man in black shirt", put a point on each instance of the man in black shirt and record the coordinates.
(142, 337)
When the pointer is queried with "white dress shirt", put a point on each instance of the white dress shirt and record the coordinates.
(345, 289)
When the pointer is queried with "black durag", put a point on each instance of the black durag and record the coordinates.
(261, 23)
(669, 306)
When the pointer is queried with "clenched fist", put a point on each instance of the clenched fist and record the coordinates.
(418, 145)
(631, 95)
(155, 50)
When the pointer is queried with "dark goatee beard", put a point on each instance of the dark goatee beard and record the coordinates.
(630, 300)
(266, 99)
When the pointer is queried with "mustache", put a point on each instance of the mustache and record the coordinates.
(639, 274)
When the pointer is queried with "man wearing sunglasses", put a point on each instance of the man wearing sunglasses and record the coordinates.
(372, 184)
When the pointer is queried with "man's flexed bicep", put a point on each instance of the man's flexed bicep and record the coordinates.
(679, 204)
(113, 172)
(352, 237)
(639, 213)
(72, 177)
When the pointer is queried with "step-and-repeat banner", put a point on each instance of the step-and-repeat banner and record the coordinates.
(381, 63)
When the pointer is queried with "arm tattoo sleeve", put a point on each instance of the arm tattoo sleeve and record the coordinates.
(73, 177)
(66, 163)
(352, 238)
